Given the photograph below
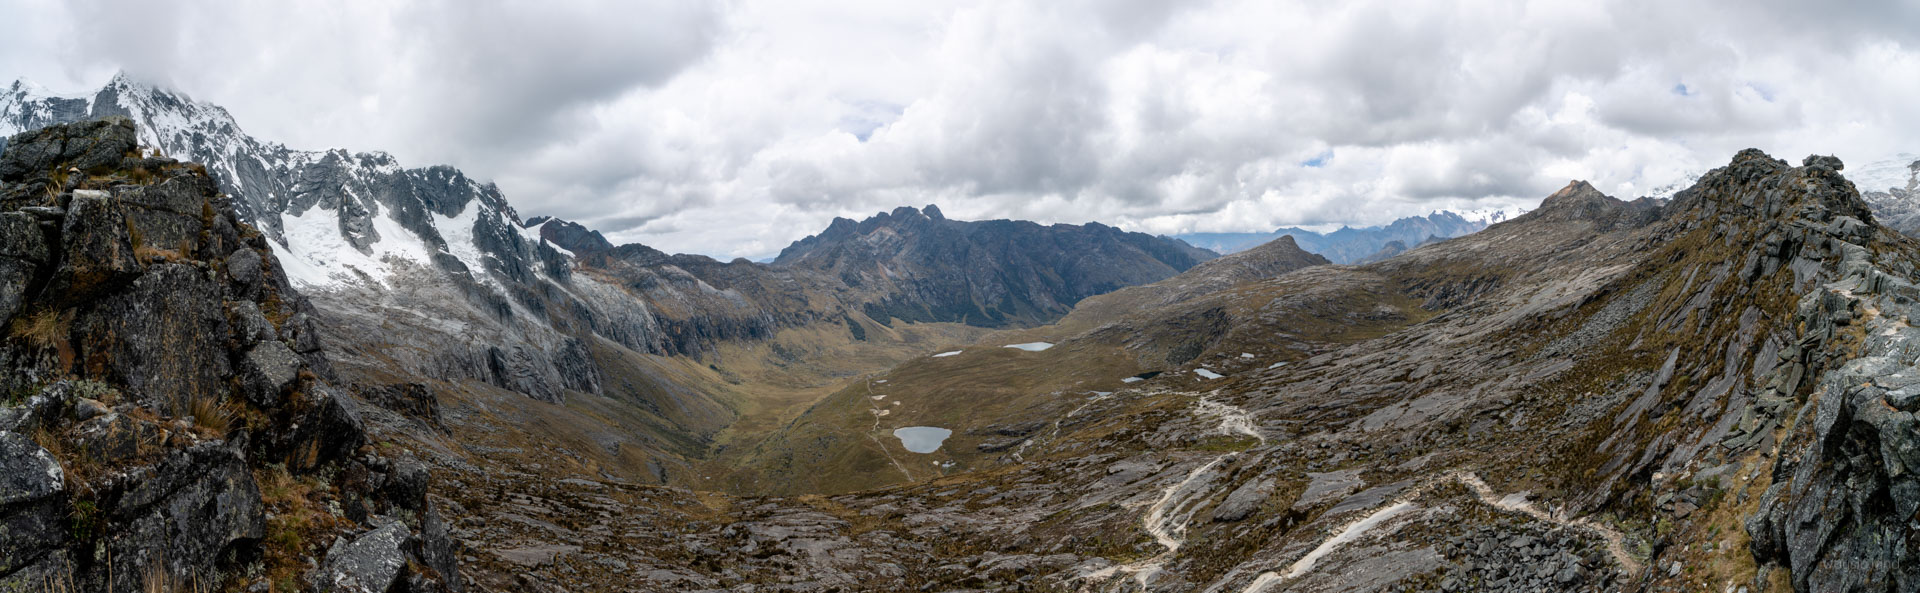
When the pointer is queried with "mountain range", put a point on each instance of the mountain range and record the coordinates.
(232, 365)
(1348, 245)
(463, 289)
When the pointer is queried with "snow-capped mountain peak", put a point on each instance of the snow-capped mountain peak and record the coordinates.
(335, 217)
(1899, 172)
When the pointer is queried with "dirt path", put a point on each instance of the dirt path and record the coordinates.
(1616, 541)
(1516, 503)
(1166, 519)
(873, 405)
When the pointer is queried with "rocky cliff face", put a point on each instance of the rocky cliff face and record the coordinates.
(169, 422)
(986, 273)
(1841, 513)
(349, 227)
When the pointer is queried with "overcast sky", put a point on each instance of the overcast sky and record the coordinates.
(732, 128)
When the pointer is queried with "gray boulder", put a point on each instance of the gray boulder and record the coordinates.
(164, 337)
(370, 563)
(1244, 500)
(437, 549)
(244, 273)
(27, 472)
(187, 513)
(97, 250)
(268, 370)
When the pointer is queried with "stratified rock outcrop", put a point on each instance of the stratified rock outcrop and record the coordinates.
(168, 421)
(1843, 513)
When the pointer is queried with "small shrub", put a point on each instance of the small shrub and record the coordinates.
(84, 520)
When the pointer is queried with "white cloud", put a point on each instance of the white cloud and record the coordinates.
(735, 128)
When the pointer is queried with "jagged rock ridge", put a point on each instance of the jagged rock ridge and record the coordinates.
(170, 422)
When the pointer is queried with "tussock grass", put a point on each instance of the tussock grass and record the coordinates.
(294, 523)
(46, 329)
(209, 416)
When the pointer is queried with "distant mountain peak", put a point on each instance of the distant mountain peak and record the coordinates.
(987, 273)
(1349, 244)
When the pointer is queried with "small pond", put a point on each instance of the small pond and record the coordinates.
(922, 439)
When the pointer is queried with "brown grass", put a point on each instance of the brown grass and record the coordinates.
(156, 580)
(46, 329)
(295, 521)
(149, 253)
(211, 418)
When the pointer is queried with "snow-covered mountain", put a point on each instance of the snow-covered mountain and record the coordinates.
(1899, 172)
(1891, 186)
(374, 243)
(425, 272)
(336, 217)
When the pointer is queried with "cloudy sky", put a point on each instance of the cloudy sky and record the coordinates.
(733, 127)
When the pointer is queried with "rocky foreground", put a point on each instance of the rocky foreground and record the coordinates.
(169, 423)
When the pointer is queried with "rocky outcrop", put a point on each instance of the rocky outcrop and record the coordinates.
(171, 382)
(90, 146)
(1840, 513)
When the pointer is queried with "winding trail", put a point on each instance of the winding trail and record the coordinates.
(1166, 519)
(1516, 502)
(1233, 419)
(873, 405)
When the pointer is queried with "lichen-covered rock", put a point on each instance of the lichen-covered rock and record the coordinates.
(331, 430)
(88, 145)
(406, 485)
(243, 270)
(249, 325)
(97, 251)
(164, 337)
(21, 237)
(187, 514)
(185, 195)
(370, 563)
(267, 371)
(27, 471)
(437, 550)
